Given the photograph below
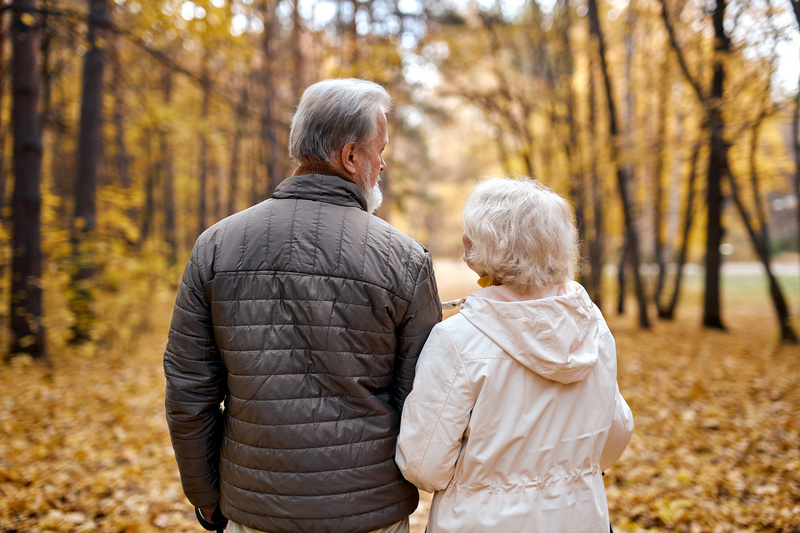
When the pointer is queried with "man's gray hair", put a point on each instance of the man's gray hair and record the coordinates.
(523, 234)
(332, 113)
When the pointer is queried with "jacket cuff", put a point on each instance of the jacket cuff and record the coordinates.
(219, 520)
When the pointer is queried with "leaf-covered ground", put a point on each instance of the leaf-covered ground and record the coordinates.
(84, 444)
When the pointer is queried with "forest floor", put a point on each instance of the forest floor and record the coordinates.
(84, 444)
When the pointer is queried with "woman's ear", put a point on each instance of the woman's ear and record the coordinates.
(348, 157)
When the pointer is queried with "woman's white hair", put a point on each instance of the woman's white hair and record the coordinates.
(522, 233)
(332, 113)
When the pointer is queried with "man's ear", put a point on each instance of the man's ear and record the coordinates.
(348, 157)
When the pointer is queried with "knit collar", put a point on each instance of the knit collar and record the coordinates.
(323, 183)
(320, 167)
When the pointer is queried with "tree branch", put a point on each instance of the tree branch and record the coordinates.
(679, 53)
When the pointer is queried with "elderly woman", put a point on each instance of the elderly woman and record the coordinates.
(515, 410)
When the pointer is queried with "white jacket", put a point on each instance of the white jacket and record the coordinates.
(514, 414)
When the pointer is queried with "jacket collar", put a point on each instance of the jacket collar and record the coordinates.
(321, 187)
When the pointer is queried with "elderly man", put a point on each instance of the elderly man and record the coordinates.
(304, 316)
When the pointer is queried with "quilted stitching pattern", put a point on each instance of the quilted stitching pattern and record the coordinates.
(306, 315)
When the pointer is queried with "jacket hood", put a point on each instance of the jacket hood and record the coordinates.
(557, 337)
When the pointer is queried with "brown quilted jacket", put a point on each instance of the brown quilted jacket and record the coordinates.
(304, 315)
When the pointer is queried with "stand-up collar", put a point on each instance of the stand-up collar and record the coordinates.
(323, 183)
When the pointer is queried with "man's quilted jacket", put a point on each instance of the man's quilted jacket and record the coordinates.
(304, 315)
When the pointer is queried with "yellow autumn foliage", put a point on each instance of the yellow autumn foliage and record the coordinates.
(84, 444)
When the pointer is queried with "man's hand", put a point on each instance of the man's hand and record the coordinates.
(211, 518)
(208, 513)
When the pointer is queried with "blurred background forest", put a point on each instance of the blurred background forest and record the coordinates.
(128, 127)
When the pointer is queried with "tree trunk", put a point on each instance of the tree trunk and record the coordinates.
(219, 189)
(256, 150)
(52, 120)
(668, 312)
(622, 175)
(236, 141)
(796, 146)
(626, 135)
(622, 286)
(204, 159)
(781, 308)
(152, 172)
(718, 164)
(760, 213)
(596, 247)
(714, 231)
(796, 130)
(89, 153)
(27, 331)
(46, 35)
(659, 248)
(122, 160)
(60, 161)
(354, 48)
(712, 316)
(298, 79)
(269, 127)
(3, 127)
(675, 175)
(148, 215)
(167, 172)
(760, 239)
(576, 174)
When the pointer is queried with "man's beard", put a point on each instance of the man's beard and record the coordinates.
(374, 197)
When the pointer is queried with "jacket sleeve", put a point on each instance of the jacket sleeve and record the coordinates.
(622, 421)
(423, 312)
(435, 416)
(620, 434)
(196, 384)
